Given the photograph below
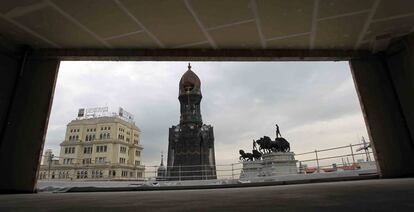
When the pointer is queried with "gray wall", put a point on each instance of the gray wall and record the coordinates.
(26, 122)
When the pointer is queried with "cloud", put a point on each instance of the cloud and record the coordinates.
(315, 103)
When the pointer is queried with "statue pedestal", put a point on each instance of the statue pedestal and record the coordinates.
(273, 164)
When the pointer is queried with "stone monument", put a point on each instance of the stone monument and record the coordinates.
(273, 158)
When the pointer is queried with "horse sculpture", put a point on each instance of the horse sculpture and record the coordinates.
(283, 144)
(257, 155)
(245, 156)
(266, 145)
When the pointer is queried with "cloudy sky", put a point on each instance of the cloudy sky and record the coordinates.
(314, 103)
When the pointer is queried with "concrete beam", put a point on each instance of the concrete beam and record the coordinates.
(386, 107)
(25, 125)
(199, 54)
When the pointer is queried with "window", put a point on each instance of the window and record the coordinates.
(137, 153)
(120, 137)
(122, 160)
(67, 161)
(101, 148)
(69, 150)
(100, 160)
(137, 163)
(87, 161)
(123, 149)
(87, 150)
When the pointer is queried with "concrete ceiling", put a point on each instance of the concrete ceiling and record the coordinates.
(205, 24)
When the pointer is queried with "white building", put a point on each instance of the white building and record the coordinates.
(105, 147)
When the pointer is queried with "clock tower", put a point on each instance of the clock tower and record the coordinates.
(190, 143)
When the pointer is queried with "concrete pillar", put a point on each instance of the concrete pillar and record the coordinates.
(384, 84)
(400, 62)
(25, 123)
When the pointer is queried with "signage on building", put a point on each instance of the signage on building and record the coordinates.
(92, 112)
(81, 112)
(124, 114)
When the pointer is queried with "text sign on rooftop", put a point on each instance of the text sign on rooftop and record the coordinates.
(124, 114)
(92, 112)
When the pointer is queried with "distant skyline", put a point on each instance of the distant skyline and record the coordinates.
(314, 103)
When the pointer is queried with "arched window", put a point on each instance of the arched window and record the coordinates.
(93, 137)
(70, 138)
(107, 135)
(86, 138)
(77, 137)
(104, 136)
(100, 136)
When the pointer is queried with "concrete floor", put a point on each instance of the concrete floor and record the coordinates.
(363, 195)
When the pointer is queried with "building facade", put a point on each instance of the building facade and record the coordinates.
(97, 148)
(191, 143)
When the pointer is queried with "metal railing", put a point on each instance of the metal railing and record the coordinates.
(195, 172)
(343, 157)
(324, 159)
(319, 160)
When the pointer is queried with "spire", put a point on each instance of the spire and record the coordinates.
(189, 66)
(162, 158)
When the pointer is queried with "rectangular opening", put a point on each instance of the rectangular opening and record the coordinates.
(314, 104)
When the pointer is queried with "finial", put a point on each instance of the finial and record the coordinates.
(189, 66)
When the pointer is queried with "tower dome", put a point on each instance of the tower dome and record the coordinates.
(189, 80)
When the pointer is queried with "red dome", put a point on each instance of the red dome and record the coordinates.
(190, 79)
